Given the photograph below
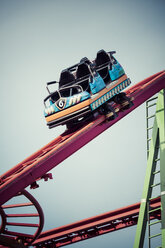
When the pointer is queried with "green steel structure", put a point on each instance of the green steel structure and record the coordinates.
(154, 184)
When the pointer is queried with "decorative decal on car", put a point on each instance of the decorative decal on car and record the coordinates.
(61, 103)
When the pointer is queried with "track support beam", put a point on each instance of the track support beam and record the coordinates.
(156, 149)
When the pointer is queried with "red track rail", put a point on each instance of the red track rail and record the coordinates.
(37, 165)
(94, 226)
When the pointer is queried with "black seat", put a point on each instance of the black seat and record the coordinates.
(82, 71)
(66, 78)
(102, 58)
(82, 75)
(103, 64)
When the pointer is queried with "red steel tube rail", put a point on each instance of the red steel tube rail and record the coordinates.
(38, 164)
(94, 226)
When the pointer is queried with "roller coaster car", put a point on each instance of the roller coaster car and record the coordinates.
(84, 89)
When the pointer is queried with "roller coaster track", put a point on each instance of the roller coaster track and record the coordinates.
(94, 226)
(38, 165)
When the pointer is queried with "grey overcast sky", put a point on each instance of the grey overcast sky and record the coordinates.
(39, 38)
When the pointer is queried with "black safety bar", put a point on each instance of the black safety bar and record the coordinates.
(52, 82)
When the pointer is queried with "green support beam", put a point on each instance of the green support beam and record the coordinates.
(157, 143)
(161, 124)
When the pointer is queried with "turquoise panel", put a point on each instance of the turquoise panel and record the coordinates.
(97, 84)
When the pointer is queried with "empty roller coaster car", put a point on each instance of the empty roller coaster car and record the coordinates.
(84, 89)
